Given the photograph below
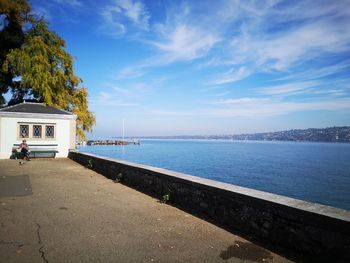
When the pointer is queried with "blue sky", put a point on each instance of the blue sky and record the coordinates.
(208, 67)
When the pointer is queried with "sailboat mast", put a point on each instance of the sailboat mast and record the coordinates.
(123, 130)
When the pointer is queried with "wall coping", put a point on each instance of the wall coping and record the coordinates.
(315, 208)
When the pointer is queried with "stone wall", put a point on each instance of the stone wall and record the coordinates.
(294, 227)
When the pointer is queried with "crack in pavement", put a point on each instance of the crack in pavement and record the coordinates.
(41, 251)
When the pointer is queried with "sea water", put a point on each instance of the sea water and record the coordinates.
(316, 172)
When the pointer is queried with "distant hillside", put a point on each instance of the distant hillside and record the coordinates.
(331, 134)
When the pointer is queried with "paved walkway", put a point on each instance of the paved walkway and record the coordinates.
(54, 210)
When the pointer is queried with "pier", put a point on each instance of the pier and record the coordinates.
(112, 142)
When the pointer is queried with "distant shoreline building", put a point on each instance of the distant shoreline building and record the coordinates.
(43, 127)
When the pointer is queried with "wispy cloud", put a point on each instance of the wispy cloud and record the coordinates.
(42, 11)
(74, 3)
(287, 89)
(308, 10)
(232, 75)
(330, 92)
(184, 43)
(244, 100)
(123, 14)
(306, 34)
(131, 72)
(222, 94)
(132, 90)
(186, 35)
(257, 108)
(280, 52)
(188, 59)
(67, 10)
(318, 73)
(107, 99)
(250, 107)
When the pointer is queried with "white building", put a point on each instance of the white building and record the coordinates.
(43, 127)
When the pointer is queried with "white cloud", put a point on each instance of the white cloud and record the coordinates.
(266, 108)
(250, 107)
(305, 43)
(125, 13)
(73, 3)
(107, 99)
(330, 92)
(222, 94)
(280, 52)
(310, 10)
(134, 10)
(184, 43)
(318, 73)
(131, 91)
(287, 89)
(130, 72)
(232, 75)
(247, 35)
(42, 11)
(240, 101)
(241, 38)
(310, 31)
(67, 11)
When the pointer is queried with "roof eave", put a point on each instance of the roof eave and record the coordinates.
(38, 115)
(5, 109)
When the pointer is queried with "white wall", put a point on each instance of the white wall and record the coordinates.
(8, 135)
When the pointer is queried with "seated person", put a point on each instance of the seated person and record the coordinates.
(24, 149)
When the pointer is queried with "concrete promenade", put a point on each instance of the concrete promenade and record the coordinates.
(55, 210)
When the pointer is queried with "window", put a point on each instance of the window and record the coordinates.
(36, 131)
(24, 131)
(50, 131)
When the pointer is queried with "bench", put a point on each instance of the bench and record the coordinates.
(38, 150)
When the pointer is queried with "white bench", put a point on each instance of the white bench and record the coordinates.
(41, 150)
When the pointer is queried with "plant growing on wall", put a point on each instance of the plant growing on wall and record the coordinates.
(90, 164)
(165, 198)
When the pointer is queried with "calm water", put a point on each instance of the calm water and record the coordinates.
(317, 172)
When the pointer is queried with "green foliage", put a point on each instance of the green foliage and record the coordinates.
(90, 164)
(15, 10)
(35, 64)
(13, 15)
(165, 198)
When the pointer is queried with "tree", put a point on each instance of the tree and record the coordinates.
(35, 64)
(13, 16)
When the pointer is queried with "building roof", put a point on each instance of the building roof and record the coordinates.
(31, 107)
